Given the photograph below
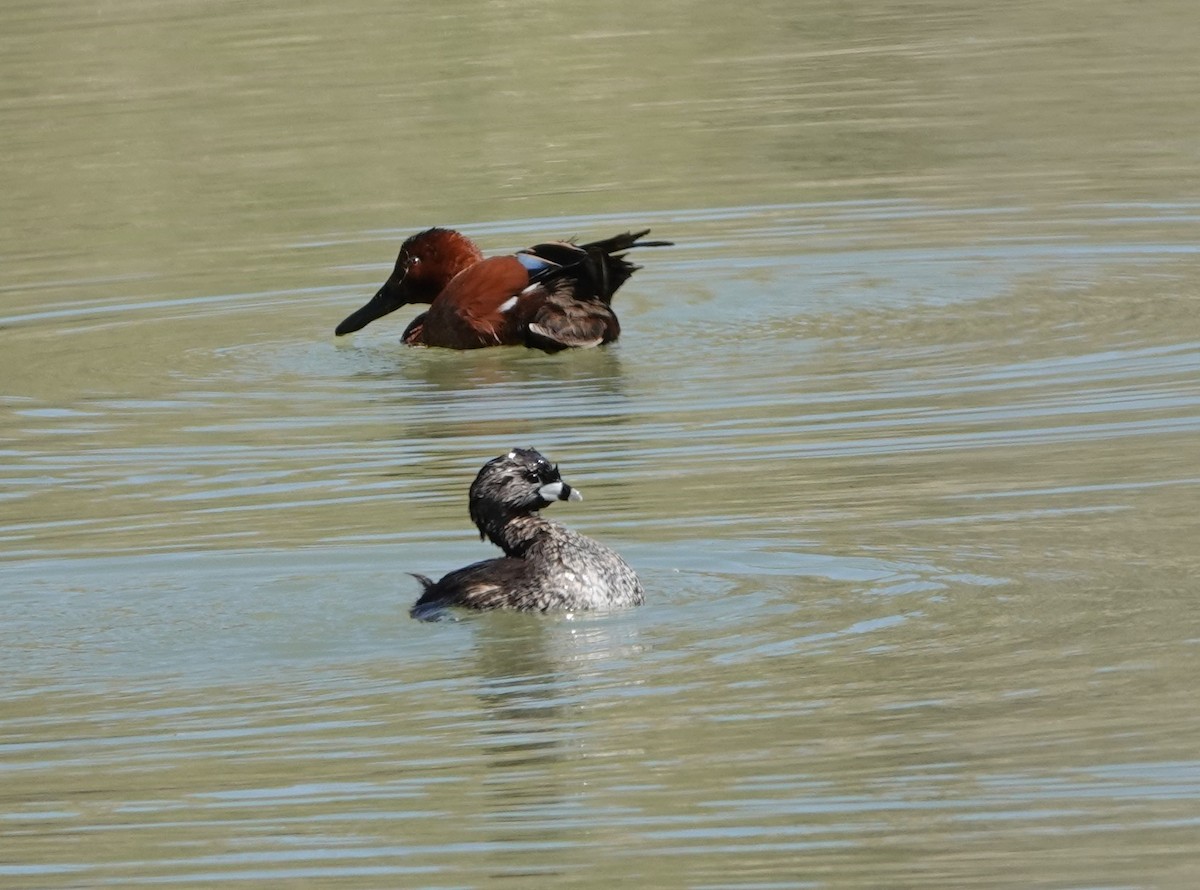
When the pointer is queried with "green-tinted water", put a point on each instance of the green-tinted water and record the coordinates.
(902, 438)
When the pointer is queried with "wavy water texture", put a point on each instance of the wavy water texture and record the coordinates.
(901, 437)
(885, 500)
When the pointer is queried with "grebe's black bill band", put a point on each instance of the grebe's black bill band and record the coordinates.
(558, 491)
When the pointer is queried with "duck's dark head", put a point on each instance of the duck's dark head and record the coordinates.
(425, 265)
(516, 484)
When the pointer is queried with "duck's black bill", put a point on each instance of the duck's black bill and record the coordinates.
(377, 307)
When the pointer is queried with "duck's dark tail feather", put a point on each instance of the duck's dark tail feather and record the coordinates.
(597, 267)
(626, 241)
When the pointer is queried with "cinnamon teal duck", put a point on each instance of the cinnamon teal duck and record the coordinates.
(552, 296)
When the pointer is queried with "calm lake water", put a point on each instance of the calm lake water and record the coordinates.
(903, 437)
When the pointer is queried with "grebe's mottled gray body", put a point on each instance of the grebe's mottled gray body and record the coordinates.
(545, 566)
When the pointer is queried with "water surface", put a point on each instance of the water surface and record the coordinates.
(901, 437)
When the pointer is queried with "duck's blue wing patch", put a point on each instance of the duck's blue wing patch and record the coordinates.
(536, 266)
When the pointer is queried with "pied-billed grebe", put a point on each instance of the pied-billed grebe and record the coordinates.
(550, 296)
(546, 566)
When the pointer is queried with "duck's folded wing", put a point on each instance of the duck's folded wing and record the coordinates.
(414, 334)
(597, 266)
(564, 323)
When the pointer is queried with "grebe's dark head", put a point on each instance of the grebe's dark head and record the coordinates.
(516, 484)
